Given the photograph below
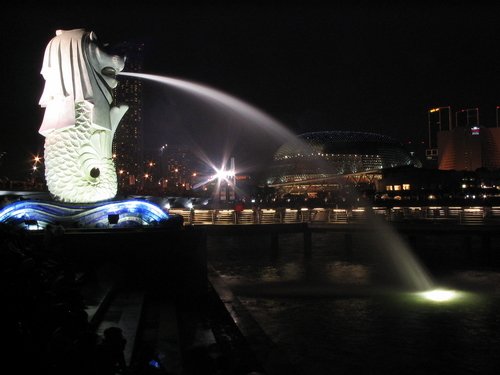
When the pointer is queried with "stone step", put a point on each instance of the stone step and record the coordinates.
(97, 296)
(158, 341)
(124, 311)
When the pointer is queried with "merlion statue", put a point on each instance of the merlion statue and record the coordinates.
(79, 121)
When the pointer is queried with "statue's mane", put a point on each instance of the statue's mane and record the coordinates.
(69, 78)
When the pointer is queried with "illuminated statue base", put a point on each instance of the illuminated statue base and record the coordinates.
(33, 214)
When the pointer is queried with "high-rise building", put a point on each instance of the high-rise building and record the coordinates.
(469, 148)
(178, 167)
(128, 140)
(439, 119)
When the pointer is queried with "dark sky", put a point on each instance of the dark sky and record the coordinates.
(353, 66)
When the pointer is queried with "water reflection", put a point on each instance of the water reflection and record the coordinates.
(335, 312)
(341, 272)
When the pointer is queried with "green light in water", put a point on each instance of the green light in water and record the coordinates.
(439, 295)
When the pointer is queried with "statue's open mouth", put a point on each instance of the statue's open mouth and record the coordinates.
(109, 72)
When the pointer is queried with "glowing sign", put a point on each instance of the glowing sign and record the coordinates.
(475, 130)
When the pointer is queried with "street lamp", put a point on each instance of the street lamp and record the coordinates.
(438, 110)
(36, 160)
(468, 116)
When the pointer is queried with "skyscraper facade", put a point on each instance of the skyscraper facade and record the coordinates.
(177, 167)
(469, 148)
(128, 140)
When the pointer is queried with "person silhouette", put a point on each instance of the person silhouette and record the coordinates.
(110, 356)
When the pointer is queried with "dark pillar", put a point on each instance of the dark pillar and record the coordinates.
(275, 244)
(467, 248)
(412, 241)
(348, 243)
(307, 242)
(486, 255)
(192, 272)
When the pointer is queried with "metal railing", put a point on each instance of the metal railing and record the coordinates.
(458, 215)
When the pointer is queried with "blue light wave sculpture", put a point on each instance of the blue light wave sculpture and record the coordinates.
(130, 212)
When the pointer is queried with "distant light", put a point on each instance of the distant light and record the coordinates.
(190, 205)
(34, 168)
(31, 224)
(222, 175)
(154, 363)
(167, 206)
(439, 295)
(37, 159)
(434, 110)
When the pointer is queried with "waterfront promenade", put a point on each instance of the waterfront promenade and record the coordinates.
(174, 308)
(465, 215)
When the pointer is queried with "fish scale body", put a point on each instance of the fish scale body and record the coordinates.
(71, 154)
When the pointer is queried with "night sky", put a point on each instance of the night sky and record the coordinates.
(361, 67)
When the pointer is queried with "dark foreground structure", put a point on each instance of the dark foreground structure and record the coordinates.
(146, 300)
(104, 301)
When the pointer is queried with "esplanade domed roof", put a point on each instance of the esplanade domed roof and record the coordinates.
(330, 153)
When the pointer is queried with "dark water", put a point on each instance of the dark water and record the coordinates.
(346, 312)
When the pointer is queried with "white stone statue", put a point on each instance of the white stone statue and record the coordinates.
(79, 122)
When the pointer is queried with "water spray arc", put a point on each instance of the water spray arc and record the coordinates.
(251, 113)
(415, 276)
(79, 124)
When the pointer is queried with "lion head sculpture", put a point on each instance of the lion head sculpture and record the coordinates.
(75, 69)
(79, 122)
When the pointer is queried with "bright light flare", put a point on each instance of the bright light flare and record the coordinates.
(221, 174)
(439, 295)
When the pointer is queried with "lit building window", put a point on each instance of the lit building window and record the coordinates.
(388, 187)
(475, 130)
(397, 187)
(406, 186)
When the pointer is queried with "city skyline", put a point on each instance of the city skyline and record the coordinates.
(376, 68)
